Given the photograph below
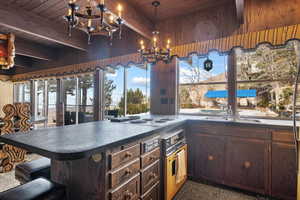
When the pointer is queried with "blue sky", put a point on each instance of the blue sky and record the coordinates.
(219, 66)
(136, 78)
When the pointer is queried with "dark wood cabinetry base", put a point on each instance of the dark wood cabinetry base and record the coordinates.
(256, 159)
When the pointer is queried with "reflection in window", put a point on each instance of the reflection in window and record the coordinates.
(203, 92)
(70, 100)
(22, 92)
(40, 99)
(52, 92)
(114, 90)
(86, 98)
(265, 77)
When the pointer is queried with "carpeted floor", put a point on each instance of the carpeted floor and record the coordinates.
(7, 180)
(197, 191)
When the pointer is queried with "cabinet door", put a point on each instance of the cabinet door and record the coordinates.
(209, 157)
(247, 164)
(284, 174)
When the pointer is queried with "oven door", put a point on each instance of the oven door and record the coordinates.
(172, 182)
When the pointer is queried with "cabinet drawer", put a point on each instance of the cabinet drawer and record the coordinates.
(152, 194)
(121, 175)
(124, 156)
(150, 158)
(150, 176)
(130, 190)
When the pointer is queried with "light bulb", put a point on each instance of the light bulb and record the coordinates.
(119, 8)
(111, 19)
(69, 12)
(89, 23)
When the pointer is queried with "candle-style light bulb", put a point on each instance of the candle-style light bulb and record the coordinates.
(119, 8)
(168, 43)
(69, 12)
(89, 23)
(102, 2)
(111, 19)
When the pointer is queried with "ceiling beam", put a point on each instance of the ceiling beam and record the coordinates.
(33, 50)
(133, 19)
(240, 6)
(35, 26)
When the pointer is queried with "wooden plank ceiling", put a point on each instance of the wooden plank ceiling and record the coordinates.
(173, 8)
(41, 21)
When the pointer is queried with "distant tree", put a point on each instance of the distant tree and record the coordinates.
(136, 102)
(109, 87)
(269, 64)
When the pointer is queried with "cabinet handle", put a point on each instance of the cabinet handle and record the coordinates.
(152, 176)
(128, 154)
(247, 164)
(128, 171)
(210, 157)
(152, 158)
(128, 195)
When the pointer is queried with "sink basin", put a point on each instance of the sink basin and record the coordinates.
(248, 120)
(215, 118)
(233, 120)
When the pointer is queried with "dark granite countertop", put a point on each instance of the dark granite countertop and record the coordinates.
(79, 141)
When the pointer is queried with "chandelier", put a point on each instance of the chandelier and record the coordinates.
(155, 53)
(94, 19)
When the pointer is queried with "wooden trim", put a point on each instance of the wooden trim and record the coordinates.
(223, 45)
(5, 77)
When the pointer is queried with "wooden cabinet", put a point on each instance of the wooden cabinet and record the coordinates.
(209, 157)
(124, 156)
(284, 171)
(119, 176)
(133, 170)
(247, 164)
(128, 191)
(259, 159)
(150, 176)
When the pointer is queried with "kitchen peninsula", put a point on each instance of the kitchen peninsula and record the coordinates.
(91, 159)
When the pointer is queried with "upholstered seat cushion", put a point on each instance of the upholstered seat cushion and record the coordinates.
(29, 171)
(38, 189)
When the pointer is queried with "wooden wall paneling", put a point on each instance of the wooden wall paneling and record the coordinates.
(231, 84)
(99, 99)
(164, 88)
(221, 21)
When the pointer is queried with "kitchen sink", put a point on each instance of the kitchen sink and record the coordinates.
(221, 118)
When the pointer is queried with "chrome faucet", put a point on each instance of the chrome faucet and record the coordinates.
(229, 113)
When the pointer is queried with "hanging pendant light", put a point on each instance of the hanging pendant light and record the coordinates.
(155, 53)
(87, 20)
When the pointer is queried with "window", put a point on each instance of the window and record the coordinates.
(137, 86)
(265, 81)
(40, 99)
(200, 91)
(86, 98)
(52, 92)
(70, 85)
(114, 92)
(22, 92)
(137, 90)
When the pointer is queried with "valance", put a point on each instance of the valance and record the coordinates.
(276, 36)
